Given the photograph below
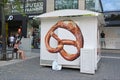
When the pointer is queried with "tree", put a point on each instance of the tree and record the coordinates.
(3, 29)
(3, 3)
(35, 23)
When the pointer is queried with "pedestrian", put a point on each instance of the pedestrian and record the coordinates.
(18, 50)
(102, 35)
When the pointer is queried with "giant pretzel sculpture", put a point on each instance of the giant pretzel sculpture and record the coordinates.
(78, 43)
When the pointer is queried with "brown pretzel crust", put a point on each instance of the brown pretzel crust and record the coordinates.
(78, 43)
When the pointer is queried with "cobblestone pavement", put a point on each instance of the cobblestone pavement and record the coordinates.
(29, 54)
(31, 70)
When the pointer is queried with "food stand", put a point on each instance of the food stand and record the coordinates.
(71, 37)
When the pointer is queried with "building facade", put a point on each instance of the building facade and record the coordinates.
(36, 7)
(110, 10)
(20, 17)
(33, 8)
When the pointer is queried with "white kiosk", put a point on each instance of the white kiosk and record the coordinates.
(85, 48)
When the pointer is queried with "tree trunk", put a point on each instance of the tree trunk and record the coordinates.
(3, 31)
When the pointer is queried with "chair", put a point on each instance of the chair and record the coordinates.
(11, 51)
(15, 53)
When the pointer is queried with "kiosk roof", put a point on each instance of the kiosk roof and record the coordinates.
(68, 12)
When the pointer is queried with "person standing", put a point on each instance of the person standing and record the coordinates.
(102, 35)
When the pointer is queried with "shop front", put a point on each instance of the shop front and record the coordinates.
(14, 23)
(17, 20)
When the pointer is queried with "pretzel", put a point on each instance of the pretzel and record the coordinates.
(78, 43)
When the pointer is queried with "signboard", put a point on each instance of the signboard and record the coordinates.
(29, 7)
(34, 7)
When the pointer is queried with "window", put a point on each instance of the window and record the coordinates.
(93, 5)
(66, 4)
(110, 5)
(111, 11)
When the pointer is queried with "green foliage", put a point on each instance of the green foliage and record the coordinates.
(16, 2)
(35, 23)
(1, 2)
(5, 1)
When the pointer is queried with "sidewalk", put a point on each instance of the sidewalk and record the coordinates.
(30, 69)
(110, 50)
(29, 54)
(106, 53)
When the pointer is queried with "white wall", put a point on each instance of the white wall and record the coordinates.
(88, 28)
(112, 32)
(112, 37)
